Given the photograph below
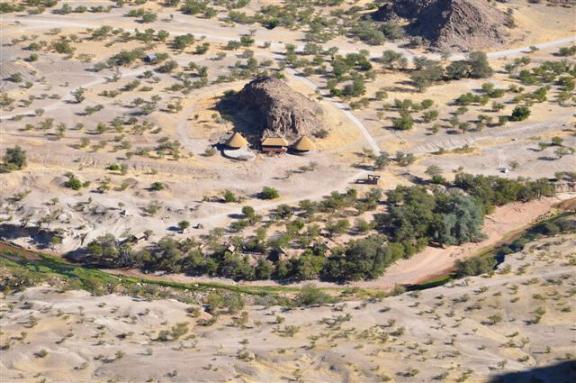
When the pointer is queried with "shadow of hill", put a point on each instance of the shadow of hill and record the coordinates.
(42, 238)
(246, 120)
(564, 372)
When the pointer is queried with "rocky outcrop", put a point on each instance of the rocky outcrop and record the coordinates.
(278, 110)
(404, 9)
(459, 24)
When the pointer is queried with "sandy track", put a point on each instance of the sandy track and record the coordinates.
(344, 108)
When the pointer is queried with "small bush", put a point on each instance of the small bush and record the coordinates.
(269, 193)
(311, 295)
(157, 186)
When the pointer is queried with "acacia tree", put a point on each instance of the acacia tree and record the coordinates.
(183, 225)
(520, 113)
(78, 94)
(362, 259)
(14, 158)
(459, 219)
(404, 122)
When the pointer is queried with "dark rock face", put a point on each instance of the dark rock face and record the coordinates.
(278, 110)
(460, 24)
(405, 9)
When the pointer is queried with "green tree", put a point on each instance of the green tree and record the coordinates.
(269, 193)
(14, 158)
(229, 196)
(480, 68)
(183, 225)
(361, 259)
(248, 212)
(183, 41)
(148, 17)
(339, 227)
(106, 251)
(520, 113)
(264, 269)
(404, 122)
(458, 219)
(307, 267)
(382, 161)
(475, 266)
(73, 182)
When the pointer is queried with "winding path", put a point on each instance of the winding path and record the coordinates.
(344, 108)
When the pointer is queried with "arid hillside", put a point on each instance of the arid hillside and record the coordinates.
(477, 329)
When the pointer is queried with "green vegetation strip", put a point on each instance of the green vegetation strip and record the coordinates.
(34, 267)
(39, 267)
(434, 282)
(43, 265)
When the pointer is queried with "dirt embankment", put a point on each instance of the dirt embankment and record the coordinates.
(488, 328)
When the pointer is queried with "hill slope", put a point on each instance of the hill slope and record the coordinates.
(459, 24)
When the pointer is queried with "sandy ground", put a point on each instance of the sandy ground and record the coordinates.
(35, 196)
(521, 318)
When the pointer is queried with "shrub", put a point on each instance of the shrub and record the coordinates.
(475, 266)
(404, 122)
(14, 159)
(41, 354)
(229, 196)
(311, 295)
(381, 161)
(183, 225)
(520, 113)
(248, 211)
(269, 193)
(157, 186)
(74, 182)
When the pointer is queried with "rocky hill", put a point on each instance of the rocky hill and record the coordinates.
(278, 110)
(452, 24)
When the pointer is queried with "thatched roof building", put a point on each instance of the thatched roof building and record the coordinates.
(237, 141)
(274, 145)
(304, 144)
